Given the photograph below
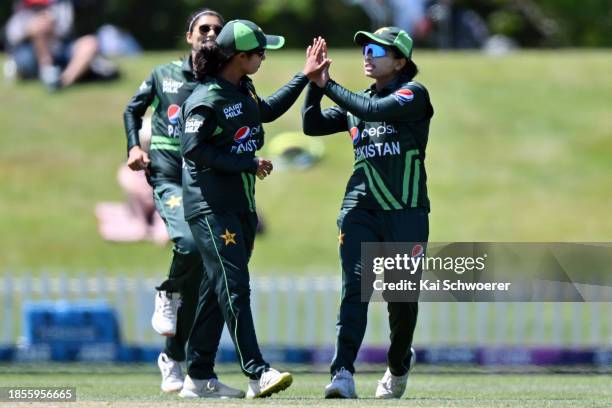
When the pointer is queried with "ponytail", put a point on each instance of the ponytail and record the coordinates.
(209, 60)
(410, 70)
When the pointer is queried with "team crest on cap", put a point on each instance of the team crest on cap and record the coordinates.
(242, 134)
(403, 96)
(355, 135)
(381, 30)
(173, 113)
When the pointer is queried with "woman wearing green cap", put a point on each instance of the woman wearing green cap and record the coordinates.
(386, 196)
(222, 130)
(165, 90)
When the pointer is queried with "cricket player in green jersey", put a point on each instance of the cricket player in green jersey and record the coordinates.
(222, 130)
(386, 196)
(164, 91)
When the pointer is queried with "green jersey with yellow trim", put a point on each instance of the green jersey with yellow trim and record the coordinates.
(164, 91)
(389, 132)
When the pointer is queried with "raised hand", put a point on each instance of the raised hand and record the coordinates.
(316, 60)
(318, 50)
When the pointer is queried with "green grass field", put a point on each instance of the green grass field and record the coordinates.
(138, 386)
(519, 150)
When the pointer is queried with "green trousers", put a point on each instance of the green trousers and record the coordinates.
(226, 243)
(361, 225)
(186, 268)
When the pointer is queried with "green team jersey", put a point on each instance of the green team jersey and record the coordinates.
(222, 130)
(164, 91)
(389, 131)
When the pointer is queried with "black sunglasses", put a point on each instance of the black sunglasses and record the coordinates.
(259, 51)
(205, 28)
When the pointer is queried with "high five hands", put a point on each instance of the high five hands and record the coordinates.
(317, 63)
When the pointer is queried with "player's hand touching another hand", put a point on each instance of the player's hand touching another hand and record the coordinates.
(138, 159)
(264, 168)
(316, 60)
(318, 49)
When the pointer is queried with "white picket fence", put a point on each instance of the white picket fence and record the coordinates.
(301, 311)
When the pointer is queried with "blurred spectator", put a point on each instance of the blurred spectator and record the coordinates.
(55, 40)
(137, 219)
(412, 16)
(456, 26)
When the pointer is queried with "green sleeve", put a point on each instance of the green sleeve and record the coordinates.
(135, 110)
(272, 107)
(196, 144)
(317, 122)
(409, 102)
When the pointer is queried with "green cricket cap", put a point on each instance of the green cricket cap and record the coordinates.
(244, 35)
(389, 36)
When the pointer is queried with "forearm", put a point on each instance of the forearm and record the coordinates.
(316, 122)
(363, 107)
(132, 123)
(207, 155)
(272, 107)
(135, 110)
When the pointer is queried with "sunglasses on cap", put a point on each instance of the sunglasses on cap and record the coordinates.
(374, 51)
(205, 28)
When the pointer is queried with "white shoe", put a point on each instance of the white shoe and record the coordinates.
(341, 386)
(166, 308)
(211, 388)
(271, 382)
(172, 375)
(392, 386)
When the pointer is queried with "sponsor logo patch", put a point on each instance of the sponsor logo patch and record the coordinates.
(171, 86)
(355, 135)
(403, 96)
(192, 125)
(417, 251)
(173, 113)
(232, 111)
(242, 134)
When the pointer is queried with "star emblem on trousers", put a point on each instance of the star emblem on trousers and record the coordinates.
(341, 238)
(229, 237)
(174, 201)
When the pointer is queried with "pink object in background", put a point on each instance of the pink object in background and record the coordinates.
(135, 220)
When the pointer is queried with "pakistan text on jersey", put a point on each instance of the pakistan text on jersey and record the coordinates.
(248, 146)
(174, 131)
(377, 149)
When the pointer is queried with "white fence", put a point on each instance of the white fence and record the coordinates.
(301, 311)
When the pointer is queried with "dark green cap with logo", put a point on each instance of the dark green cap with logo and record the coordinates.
(388, 36)
(244, 35)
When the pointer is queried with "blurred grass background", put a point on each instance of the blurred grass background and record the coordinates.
(519, 150)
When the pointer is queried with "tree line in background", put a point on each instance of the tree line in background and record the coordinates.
(160, 24)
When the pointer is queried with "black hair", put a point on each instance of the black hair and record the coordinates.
(193, 17)
(409, 70)
(210, 59)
